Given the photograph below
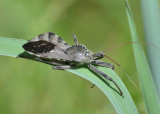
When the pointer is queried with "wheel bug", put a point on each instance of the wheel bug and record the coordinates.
(52, 49)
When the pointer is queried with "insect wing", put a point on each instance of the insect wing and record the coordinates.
(52, 38)
(49, 46)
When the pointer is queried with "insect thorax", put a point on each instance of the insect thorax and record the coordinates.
(80, 54)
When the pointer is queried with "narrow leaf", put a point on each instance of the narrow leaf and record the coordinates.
(144, 72)
(151, 19)
(13, 47)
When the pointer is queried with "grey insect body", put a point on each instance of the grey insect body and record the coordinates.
(80, 54)
(52, 49)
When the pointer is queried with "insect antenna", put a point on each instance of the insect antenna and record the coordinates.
(120, 65)
(132, 43)
(123, 71)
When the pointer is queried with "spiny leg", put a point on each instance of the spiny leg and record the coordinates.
(75, 39)
(103, 64)
(61, 67)
(94, 69)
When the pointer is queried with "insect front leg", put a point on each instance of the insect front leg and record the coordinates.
(94, 69)
(62, 67)
(75, 39)
(103, 64)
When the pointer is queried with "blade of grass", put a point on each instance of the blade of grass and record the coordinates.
(151, 19)
(144, 72)
(13, 47)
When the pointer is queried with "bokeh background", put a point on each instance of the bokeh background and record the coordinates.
(29, 87)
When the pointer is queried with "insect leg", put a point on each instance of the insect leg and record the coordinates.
(75, 39)
(94, 69)
(61, 67)
(103, 64)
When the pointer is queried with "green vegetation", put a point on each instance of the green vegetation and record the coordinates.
(144, 72)
(121, 104)
(31, 87)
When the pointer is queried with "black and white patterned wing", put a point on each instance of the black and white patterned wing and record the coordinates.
(49, 46)
(52, 38)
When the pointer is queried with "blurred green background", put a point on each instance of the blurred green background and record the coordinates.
(29, 87)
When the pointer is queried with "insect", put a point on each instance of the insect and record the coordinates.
(52, 49)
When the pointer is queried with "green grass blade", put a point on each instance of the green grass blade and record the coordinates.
(151, 19)
(144, 72)
(13, 47)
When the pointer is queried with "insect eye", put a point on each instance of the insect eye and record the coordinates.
(98, 55)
